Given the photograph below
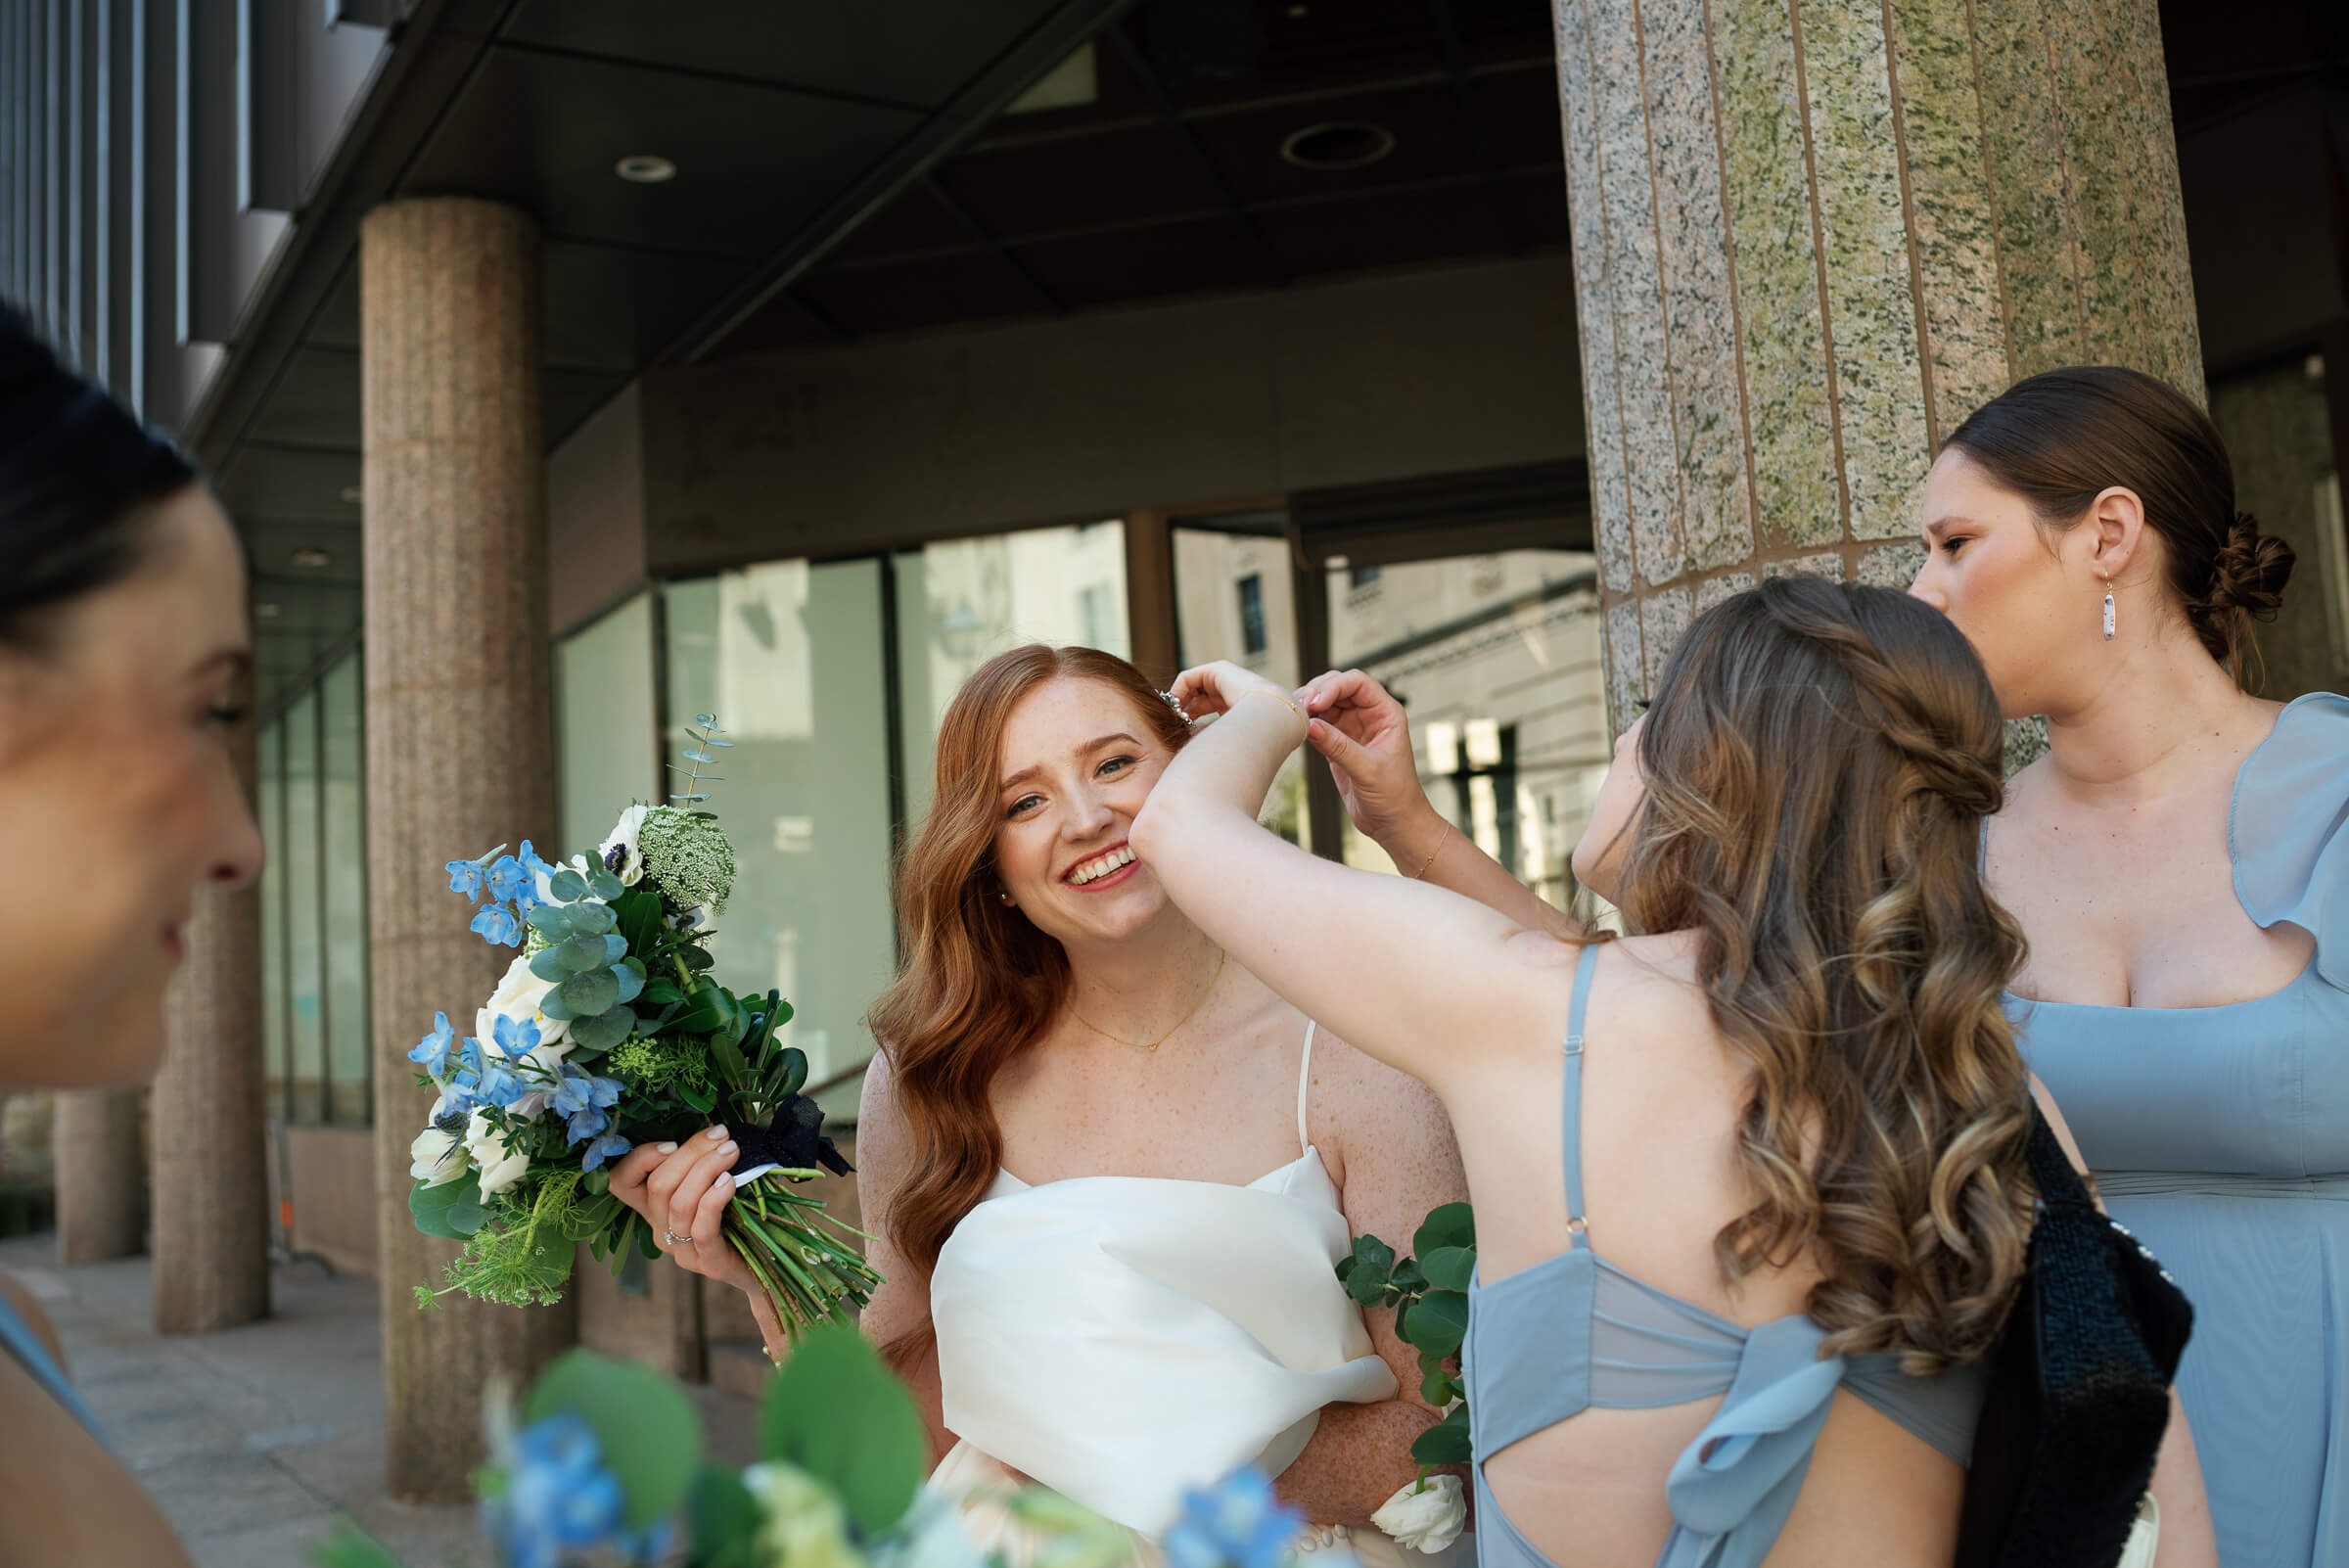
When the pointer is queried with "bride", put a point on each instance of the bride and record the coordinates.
(1109, 1171)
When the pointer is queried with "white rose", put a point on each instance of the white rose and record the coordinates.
(436, 1158)
(500, 1166)
(1426, 1515)
(630, 869)
(519, 997)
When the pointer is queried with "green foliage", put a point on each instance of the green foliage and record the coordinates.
(349, 1547)
(647, 1428)
(662, 1065)
(452, 1210)
(838, 1413)
(522, 1256)
(725, 1520)
(1429, 1295)
(689, 857)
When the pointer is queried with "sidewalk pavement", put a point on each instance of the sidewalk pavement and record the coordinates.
(255, 1439)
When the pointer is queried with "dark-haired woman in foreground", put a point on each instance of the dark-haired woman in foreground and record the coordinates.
(2180, 862)
(123, 664)
(1746, 1238)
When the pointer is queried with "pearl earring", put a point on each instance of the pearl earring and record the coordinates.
(2108, 609)
(1006, 897)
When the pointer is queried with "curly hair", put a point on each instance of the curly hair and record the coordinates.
(1820, 759)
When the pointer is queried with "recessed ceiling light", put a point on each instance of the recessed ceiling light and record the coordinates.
(645, 169)
(354, 493)
(266, 612)
(1338, 145)
(309, 555)
(1299, 13)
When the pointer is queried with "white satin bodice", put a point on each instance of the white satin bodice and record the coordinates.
(1121, 1338)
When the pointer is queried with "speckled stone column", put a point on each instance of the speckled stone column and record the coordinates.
(460, 738)
(211, 1136)
(101, 1176)
(1811, 236)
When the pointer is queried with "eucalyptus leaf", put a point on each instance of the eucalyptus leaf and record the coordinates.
(547, 962)
(553, 921)
(581, 954)
(441, 1211)
(1440, 1321)
(1442, 1443)
(1449, 1268)
(1438, 1388)
(647, 1428)
(551, 1004)
(567, 886)
(604, 885)
(1373, 1263)
(1451, 1225)
(590, 993)
(838, 1413)
(591, 919)
(615, 947)
(603, 1030)
(631, 975)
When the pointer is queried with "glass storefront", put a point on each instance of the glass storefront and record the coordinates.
(1233, 599)
(607, 748)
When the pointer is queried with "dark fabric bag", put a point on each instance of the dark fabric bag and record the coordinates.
(2079, 1387)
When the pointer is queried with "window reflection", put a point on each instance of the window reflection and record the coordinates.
(305, 1001)
(343, 837)
(607, 755)
(1232, 600)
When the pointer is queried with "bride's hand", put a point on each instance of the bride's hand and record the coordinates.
(1205, 689)
(1361, 730)
(682, 1189)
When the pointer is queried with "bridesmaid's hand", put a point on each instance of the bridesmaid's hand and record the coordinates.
(1361, 730)
(682, 1189)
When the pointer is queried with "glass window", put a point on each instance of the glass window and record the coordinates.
(789, 658)
(1496, 658)
(961, 602)
(343, 788)
(305, 952)
(604, 708)
(1222, 611)
(271, 803)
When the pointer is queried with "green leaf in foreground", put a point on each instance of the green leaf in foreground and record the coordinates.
(1373, 1263)
(349, 1547)
(725, 1519)
(1451, 1225)
(1449, 1268)
(1445, 1443)
(646, 1426)
(838, 1413)
(1440, 1321)
(452, 1210)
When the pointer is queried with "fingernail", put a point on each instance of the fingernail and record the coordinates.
(717, 1134)
(664, 1148)
(730, 1149)
(725, 1180)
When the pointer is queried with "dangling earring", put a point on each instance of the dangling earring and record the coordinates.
(2108, 609)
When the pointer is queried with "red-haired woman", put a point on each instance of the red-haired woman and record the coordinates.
(1110, 1170)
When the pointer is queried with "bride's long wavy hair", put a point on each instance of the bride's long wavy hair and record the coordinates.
(1820, 759)
(977, 983)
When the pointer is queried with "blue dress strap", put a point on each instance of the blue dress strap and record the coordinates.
(1573, 1108)
(18, 1339)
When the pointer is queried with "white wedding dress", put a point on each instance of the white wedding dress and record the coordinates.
(1122, 1338)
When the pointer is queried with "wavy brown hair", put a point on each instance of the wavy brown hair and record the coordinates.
(977, 983)
(1820, 759)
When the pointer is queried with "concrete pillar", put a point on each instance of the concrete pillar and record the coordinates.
(101, 1176)
(211, 1139)
(1811, 236)
(460, 741)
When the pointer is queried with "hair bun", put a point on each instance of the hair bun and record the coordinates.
(2249, 572)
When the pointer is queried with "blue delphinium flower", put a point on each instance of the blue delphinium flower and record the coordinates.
(431, 1051)
(497, 924)
(609, 1147)
(516, 1037)
(559, 1497)
(583, 1099)
(506, 880)
(1236, 1523)
(465, 876)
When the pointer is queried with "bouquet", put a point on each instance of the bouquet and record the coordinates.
(607, 1031)
(603, 1462)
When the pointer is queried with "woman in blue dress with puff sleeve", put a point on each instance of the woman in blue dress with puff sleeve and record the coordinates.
(2180, 863)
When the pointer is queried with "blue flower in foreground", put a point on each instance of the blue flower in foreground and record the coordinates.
(1236, 1523)
(498, 926)
(610, 1146)
(516, 1037)
(465, 876)
(506, 880)
(431, 1051)
(559, 1497)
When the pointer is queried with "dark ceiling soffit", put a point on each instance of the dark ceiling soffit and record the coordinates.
(433, 55)
(1479, 511)
(960, 118)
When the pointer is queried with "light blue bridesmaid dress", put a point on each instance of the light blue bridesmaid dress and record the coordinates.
(2219, 1135)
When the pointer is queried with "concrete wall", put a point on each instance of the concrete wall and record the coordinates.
(873, 444)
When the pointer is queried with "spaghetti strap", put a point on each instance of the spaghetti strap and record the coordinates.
(1305, 1078)
(1572, 1110)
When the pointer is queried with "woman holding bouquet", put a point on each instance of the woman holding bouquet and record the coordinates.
(124, 658)
(1110, 1170)
(1745, 1240)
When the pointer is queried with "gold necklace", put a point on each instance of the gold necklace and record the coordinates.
(1152, 1045)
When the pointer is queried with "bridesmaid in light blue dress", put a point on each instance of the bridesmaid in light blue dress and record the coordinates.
(2180, 863)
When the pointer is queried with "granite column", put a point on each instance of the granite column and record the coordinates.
(101, 1175)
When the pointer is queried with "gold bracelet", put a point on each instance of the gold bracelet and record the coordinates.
(1267, 691)
(1441, 838)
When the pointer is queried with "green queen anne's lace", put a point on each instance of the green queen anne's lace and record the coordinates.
(689, 857)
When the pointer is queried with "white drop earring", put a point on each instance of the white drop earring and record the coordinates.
(2108, 609)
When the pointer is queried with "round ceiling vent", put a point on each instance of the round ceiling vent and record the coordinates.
(1338, 145)
(645, 169)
